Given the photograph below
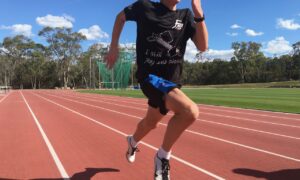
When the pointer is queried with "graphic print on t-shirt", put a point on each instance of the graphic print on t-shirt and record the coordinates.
(164, 40)
(178, 25)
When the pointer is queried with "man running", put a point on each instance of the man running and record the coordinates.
(162, 35)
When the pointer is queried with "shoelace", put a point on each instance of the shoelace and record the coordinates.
(165, 169)
(134, 149)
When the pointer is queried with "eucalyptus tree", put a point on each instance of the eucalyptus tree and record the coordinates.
(16, 51)
(65, 48)
(246, 53)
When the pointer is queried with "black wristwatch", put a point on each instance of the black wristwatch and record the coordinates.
(200, 19)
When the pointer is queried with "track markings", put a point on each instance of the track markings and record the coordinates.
(200, 120)
(189, 131)
(222, 110)
(58, 163)
(1, 100)
(124, 134)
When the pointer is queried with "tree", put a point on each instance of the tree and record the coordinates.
(17, 49)
(246, 53)
(296, 49)
(65, 47)
(296, 61)
(35, 63)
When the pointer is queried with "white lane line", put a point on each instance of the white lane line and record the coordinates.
(251, 120)
(253, 114)
(232, 117)
(253, 110)
(247, 147)
(212, 108)
(58, 163)
(189, 131)
(124, 134)
(256, 111)
(202, 120)
(5, 97)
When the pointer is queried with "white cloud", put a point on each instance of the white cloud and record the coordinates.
(232, 34)
(64, 21)
(128, 45)
(220, 54)
(251, 32)
(211, 54)
(288, 24)
(235, 26)
(278, 46)
(20, 29)
(94, 33)
(190, 52)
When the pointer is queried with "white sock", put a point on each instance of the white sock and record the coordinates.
(133, 142)
(162, 154)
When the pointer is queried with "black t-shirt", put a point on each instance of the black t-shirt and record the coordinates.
(162, 35)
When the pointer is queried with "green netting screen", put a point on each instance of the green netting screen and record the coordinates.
(119, 75)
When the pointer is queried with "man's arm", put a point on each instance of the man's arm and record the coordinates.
(113, 53)
(201, 35)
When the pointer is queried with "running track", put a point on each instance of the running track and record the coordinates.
(50, 134)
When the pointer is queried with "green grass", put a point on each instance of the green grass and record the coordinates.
(272, 99)
(284, 84)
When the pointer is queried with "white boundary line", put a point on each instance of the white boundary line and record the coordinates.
(189, 131)
(58, 163)
(202, 120)
(255, 110)
(218, 115)
(234, 117)
(5, 97)
(211, 107)
(124, 134)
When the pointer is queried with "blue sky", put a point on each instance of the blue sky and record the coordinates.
(274, 23)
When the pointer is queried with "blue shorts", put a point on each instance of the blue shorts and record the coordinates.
(155, 88)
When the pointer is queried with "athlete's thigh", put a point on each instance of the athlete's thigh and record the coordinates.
(177, 101)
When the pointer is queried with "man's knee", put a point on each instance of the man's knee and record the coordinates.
(190, 112)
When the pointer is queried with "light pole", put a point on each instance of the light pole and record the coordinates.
(99, 72)
(90, 72)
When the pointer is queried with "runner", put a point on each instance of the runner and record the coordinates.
(162, 35)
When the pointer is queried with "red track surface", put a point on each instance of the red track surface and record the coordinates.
(87, 136)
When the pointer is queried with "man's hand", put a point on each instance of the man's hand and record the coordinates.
(197, 9)
(112, 57)
(113, 53)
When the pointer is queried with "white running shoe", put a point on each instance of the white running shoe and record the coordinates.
(162, 169)
(130, 154)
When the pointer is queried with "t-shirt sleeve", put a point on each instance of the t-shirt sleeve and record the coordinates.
(191, 28)
(132, 11)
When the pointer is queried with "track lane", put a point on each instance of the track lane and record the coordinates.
(277, 163)
(23, 152)
(235, 110)
(95, 138)
(278, 145)
(286, 130)
(243, 114)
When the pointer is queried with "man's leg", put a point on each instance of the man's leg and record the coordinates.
(148, 123)
(186, 112)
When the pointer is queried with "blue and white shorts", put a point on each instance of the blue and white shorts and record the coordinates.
(155, 88)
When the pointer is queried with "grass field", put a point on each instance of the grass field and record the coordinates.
(272, 99)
